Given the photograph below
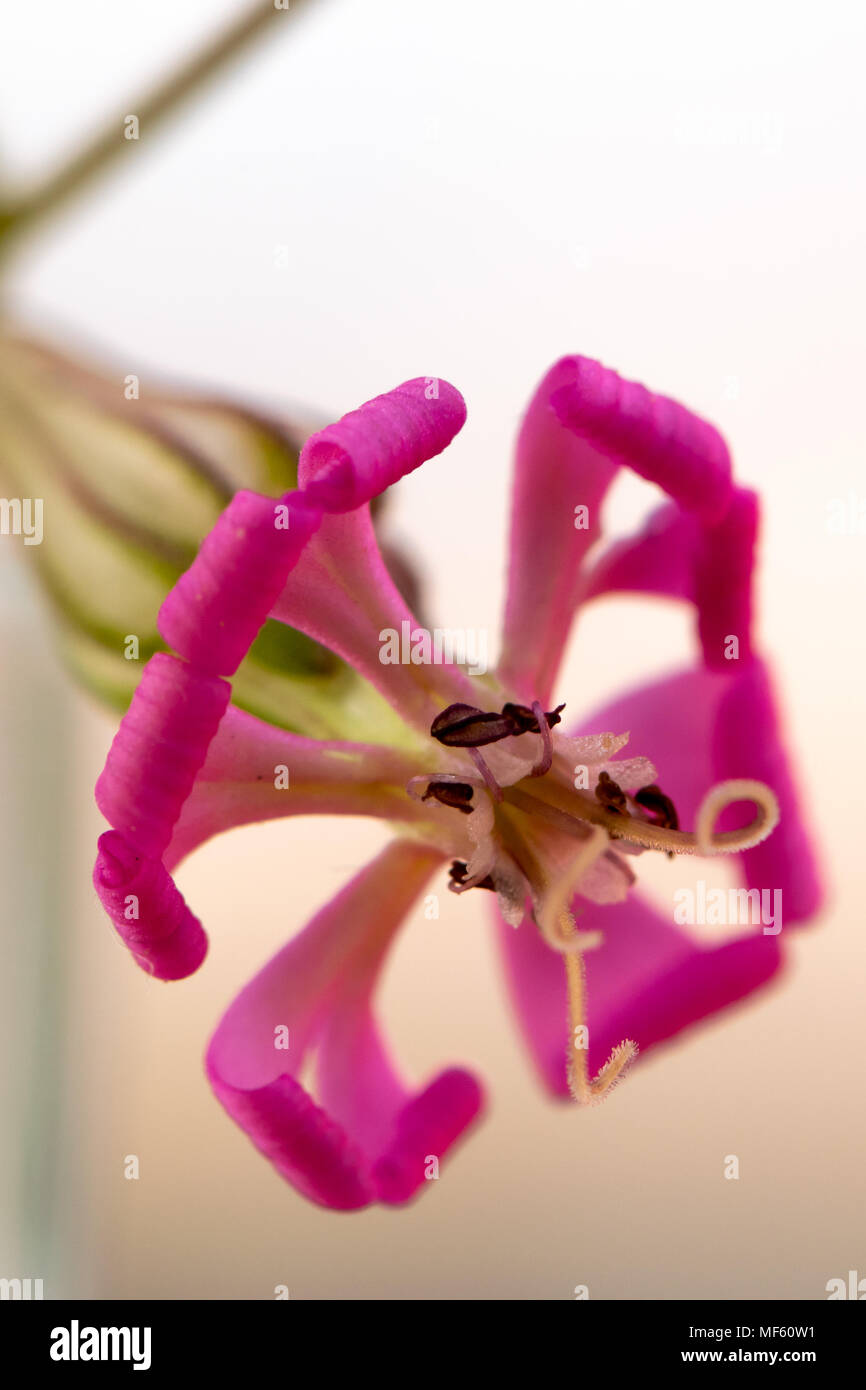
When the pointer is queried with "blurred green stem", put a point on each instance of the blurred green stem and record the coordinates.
(19, 215)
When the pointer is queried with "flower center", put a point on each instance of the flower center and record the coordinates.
(519, 822)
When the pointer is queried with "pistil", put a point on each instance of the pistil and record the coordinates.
(587, 1089)
(581, 811)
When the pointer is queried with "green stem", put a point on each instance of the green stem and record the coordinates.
(20, 215)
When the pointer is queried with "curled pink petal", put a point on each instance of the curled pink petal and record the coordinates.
(582, 423)
(654, 436)
(724, 564)
(426, 1128)
(362, 1091)
(360, 1140)
(305, 1146)
(148, 910)
(352, 461)
(215, 610)
(157, 751)
(555, 473)
(712, 566)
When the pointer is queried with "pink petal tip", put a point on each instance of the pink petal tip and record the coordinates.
(352, 461)
(655, 436)
(148, 910)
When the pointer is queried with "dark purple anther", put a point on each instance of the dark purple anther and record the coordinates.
(524, 718)
(464, 726)
(610, 794)
(457, 795)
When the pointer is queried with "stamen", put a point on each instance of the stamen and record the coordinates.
(419, 787)
(492, 785)
(458, 874)
(611, 794)
(651, 798)
(457, 795)
(464, 726)
(414, 784)
(544, 763)
(527, 720)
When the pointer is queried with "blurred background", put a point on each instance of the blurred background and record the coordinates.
(376, 192)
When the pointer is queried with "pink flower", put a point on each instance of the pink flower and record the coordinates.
(477, 773)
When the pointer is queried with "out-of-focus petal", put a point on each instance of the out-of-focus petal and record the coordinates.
(370, 1139)
(660, 559)
(676, 555)
(724, 568)
(748, 741)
